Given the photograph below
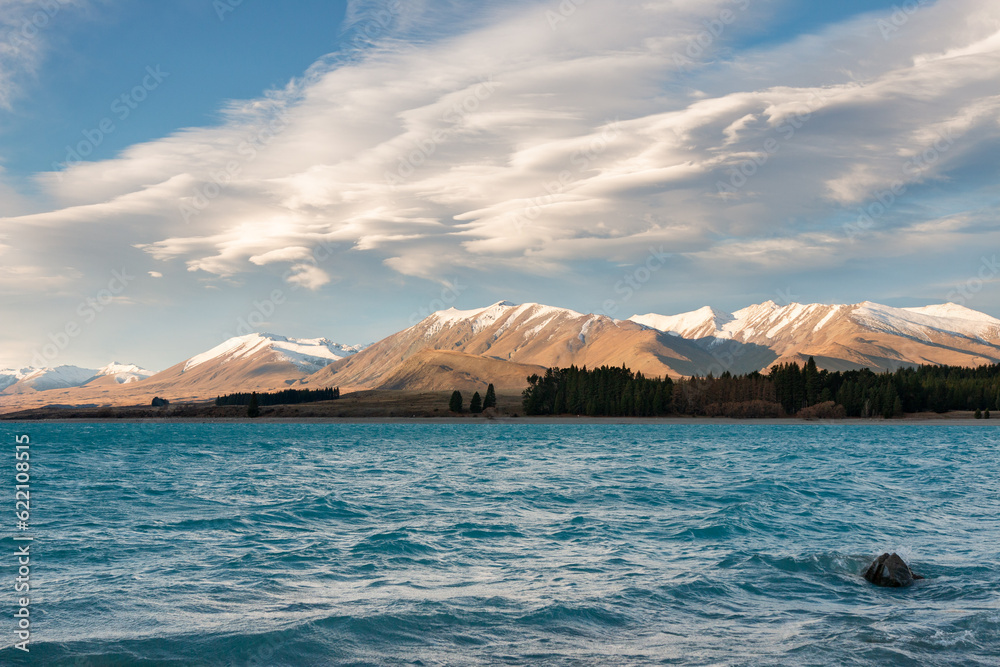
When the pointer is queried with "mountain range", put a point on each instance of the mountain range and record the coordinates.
(506, 342)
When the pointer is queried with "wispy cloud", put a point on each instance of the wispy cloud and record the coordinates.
(519, 143)
(24, 25)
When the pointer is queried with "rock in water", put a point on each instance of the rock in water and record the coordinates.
(890, 570)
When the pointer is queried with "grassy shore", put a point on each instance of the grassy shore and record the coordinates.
(381, 406)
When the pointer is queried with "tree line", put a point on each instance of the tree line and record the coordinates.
(284, 397)
(863, 393)
(606, 391)
(477, 404)
(786, 389)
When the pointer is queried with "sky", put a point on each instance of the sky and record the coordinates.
(174, 174)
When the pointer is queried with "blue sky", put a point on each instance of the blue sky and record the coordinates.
(99, 54)
(339, 169)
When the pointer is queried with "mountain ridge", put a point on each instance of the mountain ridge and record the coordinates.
(504, 342)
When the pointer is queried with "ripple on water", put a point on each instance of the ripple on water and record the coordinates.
(514, 544)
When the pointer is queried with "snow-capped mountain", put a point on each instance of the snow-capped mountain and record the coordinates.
(45, 379)
(308, 354)
(11, 376)
(846, 336)
(772, 321)
(255, 362)
(503, 344)
(123, 373)
(65, 377)
(700, 323)
(506, 342)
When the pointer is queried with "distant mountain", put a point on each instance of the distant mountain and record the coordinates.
(46, 379)
(843, 337)
(11, 376)
(121, 373)
(309, 354)
(506, 342)
(28, 380)
(255, 362)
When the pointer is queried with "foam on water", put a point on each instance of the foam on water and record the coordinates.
(266, 544)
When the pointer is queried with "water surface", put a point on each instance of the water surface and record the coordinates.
(275, 544)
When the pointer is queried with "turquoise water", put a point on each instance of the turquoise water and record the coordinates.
(270, 544)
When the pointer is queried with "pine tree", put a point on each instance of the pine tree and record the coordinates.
(986, 415)
(476, 404)
(491, 398)
(253, 410)
(889, 400)
(812, 382)
(979, 415)
(455, 405)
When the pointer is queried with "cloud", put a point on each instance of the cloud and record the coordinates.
(308, 275)
(521, 144)
(27, 279)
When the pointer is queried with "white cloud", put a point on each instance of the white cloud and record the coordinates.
(515, 147)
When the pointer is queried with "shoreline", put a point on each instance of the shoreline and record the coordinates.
(562, 421)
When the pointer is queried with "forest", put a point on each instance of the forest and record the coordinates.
(285, 397)
(785, 390)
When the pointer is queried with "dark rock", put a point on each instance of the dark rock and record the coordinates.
(890, 570)
(160, 402)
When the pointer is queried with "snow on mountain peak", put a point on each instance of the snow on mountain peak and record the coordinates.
(60, 377)
(124, 373)
(482, 318)
(921, 322)
(453, 315)
(115, 367)
(768, 320)
(18, 372)
(701, 323)
(10, 376)
(954, 311)
(310, 354)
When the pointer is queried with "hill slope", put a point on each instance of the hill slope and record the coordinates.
(502, 342)
(843, 337)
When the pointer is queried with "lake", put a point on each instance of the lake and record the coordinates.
(493, 544)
